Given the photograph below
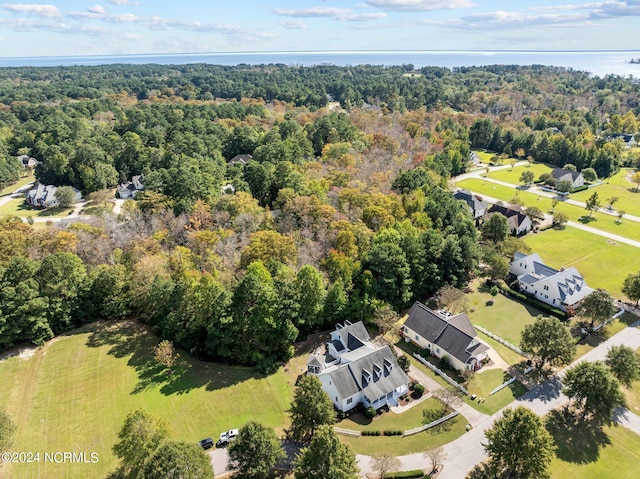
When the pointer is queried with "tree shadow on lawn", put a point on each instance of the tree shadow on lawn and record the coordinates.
(129, 339)
(547, 391)
(579, 440)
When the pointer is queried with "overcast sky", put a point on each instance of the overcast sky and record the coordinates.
(113, 27)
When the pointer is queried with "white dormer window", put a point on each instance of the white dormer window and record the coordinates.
(388, 366)
(366, 377)
(377, 371)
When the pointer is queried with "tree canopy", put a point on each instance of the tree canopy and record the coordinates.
(310, 409)
(548, 341)
(519, 445)
(326, 457)
(593, 388)
(255, 451)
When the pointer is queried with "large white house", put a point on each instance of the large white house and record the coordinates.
(352, 370)
(131, 188)
(575, 178)
(563, 288)
(453, 336)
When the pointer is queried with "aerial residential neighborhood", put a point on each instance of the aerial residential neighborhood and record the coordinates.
(329, 250)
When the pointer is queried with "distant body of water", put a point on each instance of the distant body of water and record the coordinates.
(598, 63)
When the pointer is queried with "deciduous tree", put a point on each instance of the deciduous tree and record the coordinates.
(519, 446)
(383, 463)
(548, 341)
(593, 388)
(527, 177)
(255, 451)
(7, 431)
(631, 287)
(164, 354)
(326, 457)
(592, 204)
(177, 460)
(495, 229)
(139, 437)
(624, 363)
(310, 409)
(436, 456)
(598, 306)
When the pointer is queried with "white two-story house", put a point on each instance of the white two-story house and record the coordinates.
(353, 370)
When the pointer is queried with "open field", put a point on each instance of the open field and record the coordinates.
(604, 265)
(620, 186)
(75, 392)
(599, 221)
(485, 156)
(17, 207)
(591, 452)
(500, 315)
(513, 176)
(399, 445)
(484, 382)
(7, 190)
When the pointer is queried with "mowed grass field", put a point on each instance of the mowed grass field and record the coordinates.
(620, 186)
(603, 265)
(601, 221)
(75, 392)
(513, 175)
(25, 180)
(589, 452)
(17, 207)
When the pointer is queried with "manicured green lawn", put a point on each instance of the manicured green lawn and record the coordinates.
(7, 190)
(611, 329)
(586, 452)
(484, 382)
(618, 185)
(513, 176)
(600, 221)
(74, 394)
(17, 207)
(485, 156)
(500, 315)
(508, 355)
(602, 264)
(399, 445)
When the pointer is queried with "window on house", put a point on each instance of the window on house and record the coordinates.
(437, 350)
(417, 338)
(546, 296)
(349, 401)
(554, 301)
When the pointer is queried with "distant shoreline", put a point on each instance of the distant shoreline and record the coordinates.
(596, 62)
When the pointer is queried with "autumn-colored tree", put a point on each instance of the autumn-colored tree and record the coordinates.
(165, 354)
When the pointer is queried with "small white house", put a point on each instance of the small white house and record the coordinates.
(353, 370)
(563, 289)
(517, 220)
(453, 336)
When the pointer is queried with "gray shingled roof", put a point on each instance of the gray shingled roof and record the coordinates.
(425, 322)
(453, 336)
(561, 173)
(347, 378)
(353, 335)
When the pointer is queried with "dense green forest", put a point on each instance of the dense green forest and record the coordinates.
(343, 208)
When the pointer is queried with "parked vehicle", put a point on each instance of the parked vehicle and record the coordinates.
(227, 437)
(206, 443)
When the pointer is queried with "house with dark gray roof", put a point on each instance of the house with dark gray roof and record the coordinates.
(452, 336)
(27, 162)
(476, 204)
(241, 159)
(575, 178)
(628, 139)
(564, 288)
(517, 221)
(353, 370)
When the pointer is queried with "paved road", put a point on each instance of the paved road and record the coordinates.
(479, 174)
(17, 193)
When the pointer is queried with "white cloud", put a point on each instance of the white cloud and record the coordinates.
(46, 11)
(419, 5)
(294, 25)
(99, 9)
(363, 17)
(313, 12)
(121, 2)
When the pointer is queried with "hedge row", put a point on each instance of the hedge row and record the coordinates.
(579, 188)
(545, 308)
(388, 432)
(406, 474)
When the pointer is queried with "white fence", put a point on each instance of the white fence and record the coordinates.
(502, 386)
(501, 341)
(346, 432)
(410, 432)
(440, 372)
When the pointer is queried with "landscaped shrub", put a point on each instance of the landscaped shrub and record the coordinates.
(418, 391)
(370, 433)
(494, 290)
(370, 412)
(545, 308)
(579, 188)
(444, 363)
(405, 474)
(424, 352)
(393, 433)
